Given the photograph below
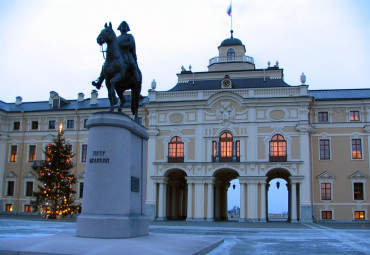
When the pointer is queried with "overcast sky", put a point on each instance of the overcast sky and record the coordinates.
(51, 45)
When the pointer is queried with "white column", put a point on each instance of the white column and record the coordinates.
(150, 199)
(174, 200)
(3, 142)
(252, 200)
(199, 200)
(217, 201)
(189, 214)
(162, 200)
(263, 201)
(242, 201)
(293, 202)
(305, 168)
(210, 200)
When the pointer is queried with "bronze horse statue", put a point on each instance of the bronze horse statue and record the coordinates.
(116, 72)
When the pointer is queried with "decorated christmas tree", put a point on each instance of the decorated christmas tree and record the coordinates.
(54, 195)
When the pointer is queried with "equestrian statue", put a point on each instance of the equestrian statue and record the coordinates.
(120, 70)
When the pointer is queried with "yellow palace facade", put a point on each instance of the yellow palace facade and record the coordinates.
(231, 122)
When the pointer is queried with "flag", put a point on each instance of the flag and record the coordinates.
(229, 10)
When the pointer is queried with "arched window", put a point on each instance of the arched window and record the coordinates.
(176, 150)
(278, 149)
(231, 54)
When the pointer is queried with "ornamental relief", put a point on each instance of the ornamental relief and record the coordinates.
(226, 112)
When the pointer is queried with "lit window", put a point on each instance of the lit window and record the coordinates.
(278, 149)
(13, 153)
(322, 116)
(29, 189)
(358, 191)
(359, 215)
(176, 150)
(16, 125)
(324, 149)
(356, 149)
(230, 54)
(9, 207)
(226, 146)
(70, 123)
(10, 190)
(32, 153)
(34, 125)
(326, 215)
(84, 153)
(354, 115)
(27, 208)
(51, 124)
(325, 191)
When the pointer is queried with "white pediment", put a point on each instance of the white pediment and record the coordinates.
(10, 175)
(358, 175)
(30, 175)
(325, 175)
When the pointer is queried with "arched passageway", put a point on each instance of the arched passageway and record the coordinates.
(222, 184)
(176, 195)
(278, 195)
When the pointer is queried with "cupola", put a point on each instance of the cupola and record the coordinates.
(231, 56)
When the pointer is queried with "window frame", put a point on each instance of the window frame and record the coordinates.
(230, 54)
(83, 153)
(326, 211)
(70, 124)
(27, 208)
(31, 153)
(329, 148)
(280, 146)
(26, 194)
(8, 207)
(16, 125)
(50, 127)
(13, 157)
(176, 150)
(8, 188)
(325, 199)
(359, 214)
(354, 116)
(35, 125)
(319, 116)
(362, 198)
(357, 152)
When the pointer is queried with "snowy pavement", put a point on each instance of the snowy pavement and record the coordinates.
(239, 238)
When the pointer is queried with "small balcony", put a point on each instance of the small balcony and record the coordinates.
(175, 159)
(225, 159)
(278, 158)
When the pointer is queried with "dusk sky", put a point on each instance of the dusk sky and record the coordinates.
(51, 45)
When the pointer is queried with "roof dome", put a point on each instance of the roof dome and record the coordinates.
(231, 41)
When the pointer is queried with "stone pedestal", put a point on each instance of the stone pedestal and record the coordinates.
(114, 188)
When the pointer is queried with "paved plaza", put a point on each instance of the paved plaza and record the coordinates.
(239, 238)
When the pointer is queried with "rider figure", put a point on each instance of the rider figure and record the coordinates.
(126, 44)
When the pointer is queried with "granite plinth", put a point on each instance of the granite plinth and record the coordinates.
(114, 188)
